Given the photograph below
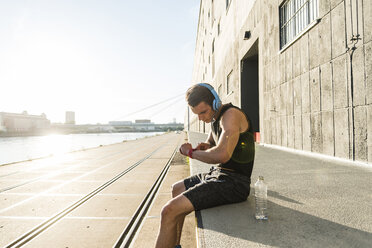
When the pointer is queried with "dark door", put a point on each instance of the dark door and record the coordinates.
(249, 89)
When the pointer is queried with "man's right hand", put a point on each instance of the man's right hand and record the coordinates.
(184, 149)
(203, 146)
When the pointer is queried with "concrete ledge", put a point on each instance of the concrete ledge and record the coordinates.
(312, 202)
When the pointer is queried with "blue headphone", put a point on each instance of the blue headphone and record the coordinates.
(217, 101)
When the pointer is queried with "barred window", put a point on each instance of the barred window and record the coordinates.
(228, 3)
(219, 27)
(295, 16)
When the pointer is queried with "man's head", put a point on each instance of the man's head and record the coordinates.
(197, 94)
(200, 100)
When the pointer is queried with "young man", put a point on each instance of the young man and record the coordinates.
(230, 144)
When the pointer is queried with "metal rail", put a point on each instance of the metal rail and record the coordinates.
(127, 236)
(25, 238)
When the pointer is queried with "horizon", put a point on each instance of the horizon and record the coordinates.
(132, 121)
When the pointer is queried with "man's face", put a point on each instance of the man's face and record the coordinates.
(204, 111)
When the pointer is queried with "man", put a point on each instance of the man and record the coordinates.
(230, 144)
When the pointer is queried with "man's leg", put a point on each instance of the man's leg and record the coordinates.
(170, 214)
(177, 189)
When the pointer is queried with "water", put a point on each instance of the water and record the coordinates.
(14, 149)
(261, 199)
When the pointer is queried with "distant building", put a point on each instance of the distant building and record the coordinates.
(21, 123)
(120, 123)
(70, 117)
(138, 125)
(2, 127)
(144, 125)
(142, 121)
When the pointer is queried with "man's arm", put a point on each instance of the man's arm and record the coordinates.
(222, 152)
(210, 139)
(207, 144)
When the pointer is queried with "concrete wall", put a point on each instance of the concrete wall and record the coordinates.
(305, 91)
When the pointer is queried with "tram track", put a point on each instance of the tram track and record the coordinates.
(46, 224)
(128, 233)
(51, 174)
(61, 185)
(127, 236)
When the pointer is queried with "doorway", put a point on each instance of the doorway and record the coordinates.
(249, 88)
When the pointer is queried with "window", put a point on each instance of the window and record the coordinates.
(295, 16)
(228, 3)
(219, 28)
(213, 46)
(229, 83)
(219, 91)
(203, 53)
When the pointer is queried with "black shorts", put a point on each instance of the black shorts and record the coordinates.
(218, 187)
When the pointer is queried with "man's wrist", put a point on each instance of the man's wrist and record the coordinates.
(189, 153)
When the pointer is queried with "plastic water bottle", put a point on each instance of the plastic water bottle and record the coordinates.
(261, 198)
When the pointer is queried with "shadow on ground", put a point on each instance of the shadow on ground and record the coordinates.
(286, 227)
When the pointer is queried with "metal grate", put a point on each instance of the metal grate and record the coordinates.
(295, 16)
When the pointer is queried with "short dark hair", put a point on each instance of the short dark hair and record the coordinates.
(197, 94)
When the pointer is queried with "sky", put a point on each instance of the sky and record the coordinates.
(105, 60)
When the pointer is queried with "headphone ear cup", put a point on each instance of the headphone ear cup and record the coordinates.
(216, 102)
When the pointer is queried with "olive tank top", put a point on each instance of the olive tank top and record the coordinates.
(242, 158)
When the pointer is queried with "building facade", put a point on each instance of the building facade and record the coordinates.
(23, 123)
(70, 117)
(301, 70)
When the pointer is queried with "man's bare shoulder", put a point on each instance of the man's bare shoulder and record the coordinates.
(232, 113)
(230, 117)
(234, 117)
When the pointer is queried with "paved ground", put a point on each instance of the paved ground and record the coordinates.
(32, 192)
(312, 202)
(146, 237)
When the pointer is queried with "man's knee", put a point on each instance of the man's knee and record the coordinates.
(178, 188)
(175, 208)
(169, 212)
